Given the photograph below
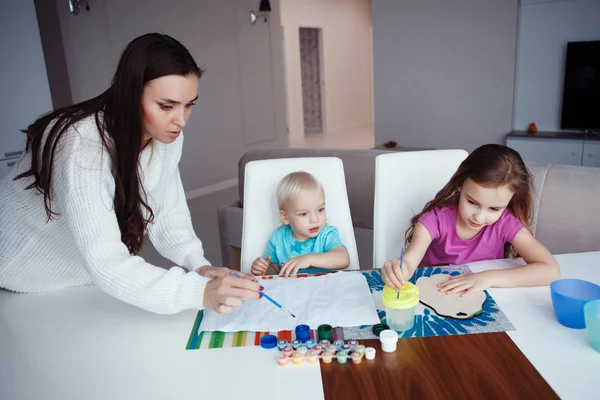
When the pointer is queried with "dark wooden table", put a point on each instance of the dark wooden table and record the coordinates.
(476, 366)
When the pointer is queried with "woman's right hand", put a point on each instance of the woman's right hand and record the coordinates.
(223, 293)
(395, 277)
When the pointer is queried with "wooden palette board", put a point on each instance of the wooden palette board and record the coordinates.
(448, 305)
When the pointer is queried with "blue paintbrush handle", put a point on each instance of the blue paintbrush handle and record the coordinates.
(262, 293)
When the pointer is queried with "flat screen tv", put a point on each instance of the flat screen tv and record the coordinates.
(581, 91)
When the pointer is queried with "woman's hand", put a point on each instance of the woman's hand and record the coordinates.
(291, 267)
(395, 277)
(225, 291)
(466, 284)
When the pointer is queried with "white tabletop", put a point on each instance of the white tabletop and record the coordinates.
(80, 343)
(563, 356)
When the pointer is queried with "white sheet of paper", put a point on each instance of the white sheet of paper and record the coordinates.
(340, 299)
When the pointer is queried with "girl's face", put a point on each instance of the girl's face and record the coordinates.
(167, 105)
(479, 206)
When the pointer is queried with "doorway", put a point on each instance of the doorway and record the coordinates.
(312, 82)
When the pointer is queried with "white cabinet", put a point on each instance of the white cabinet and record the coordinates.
(591, 154)
(548, 151)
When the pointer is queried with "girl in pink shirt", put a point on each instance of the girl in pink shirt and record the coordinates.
(483, 213)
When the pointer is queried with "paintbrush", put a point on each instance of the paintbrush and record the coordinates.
(270, 299)
(401, 260)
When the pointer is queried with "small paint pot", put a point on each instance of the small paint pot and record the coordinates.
(352, 344)
(310, 343)
(313, 358)
(303, 333)
(346, 348)
(283, 360)
(370, 353)
(302, 350)
(389, 340)
(324, 343)
(342, 356)
(297, 358)
(325, 332)
(361, 349)
(296, 344)
(356, 357)
(327, 357)
(331, 348)
(287, 351)
(338, 344)
(378, 328)
(282, 344)
(268, 342)
(316, 349)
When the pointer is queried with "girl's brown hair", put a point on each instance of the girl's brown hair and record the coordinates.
(490, 165)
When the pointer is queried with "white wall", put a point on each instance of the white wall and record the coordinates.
(23, 78)
(347, 63)
(545, 27)
(241, 101)
(444, 71)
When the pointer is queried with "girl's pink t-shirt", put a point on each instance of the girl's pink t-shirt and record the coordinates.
(447, 248)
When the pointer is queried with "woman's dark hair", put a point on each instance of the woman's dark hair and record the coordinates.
(146, 58)
(490, 165)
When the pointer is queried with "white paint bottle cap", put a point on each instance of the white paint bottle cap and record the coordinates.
(389, 339)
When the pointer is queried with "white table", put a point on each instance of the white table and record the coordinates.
(83, 344)
(563, 356)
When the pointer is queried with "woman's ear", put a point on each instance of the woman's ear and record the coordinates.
(283, 217)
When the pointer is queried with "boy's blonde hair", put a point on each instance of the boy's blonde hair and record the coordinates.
(293, 184)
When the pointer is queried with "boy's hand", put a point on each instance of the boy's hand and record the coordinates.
(291, 267)
(395, 277)
(260, 265)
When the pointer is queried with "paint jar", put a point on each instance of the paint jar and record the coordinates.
(316, 349)
(389, 340)
(310, 343)
(283, 360)
(303, 333)
(282, 344)
(327, 357)
(302, 350)
(346, 348)
(591, 311)
(287, 351)
(297, 358)
(361, 349)
(370, 353)
(342, 356)
(325, 332)
(331, 349)
(338, 344)
(356, 357)
(296, 344)
(352, 344)
(324, 343)
(313, 358)
(400, 310)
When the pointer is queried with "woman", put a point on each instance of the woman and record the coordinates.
(100, 174)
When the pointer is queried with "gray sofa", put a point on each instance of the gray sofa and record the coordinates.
(566, 203)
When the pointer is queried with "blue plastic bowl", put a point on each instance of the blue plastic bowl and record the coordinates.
(568, 298)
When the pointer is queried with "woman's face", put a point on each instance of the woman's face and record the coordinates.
(166, 106)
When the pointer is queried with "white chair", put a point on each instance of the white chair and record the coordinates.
(261, 212)
(404, 183)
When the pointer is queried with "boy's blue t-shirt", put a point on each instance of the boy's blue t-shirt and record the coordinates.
(282, 246)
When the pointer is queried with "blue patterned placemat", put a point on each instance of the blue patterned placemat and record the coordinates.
(427, 322)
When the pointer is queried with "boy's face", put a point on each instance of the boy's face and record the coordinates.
(305, 213)
(479, 206)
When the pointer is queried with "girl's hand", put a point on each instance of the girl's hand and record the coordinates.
(291, 267)
(395, 277)
(223, 293)
(260, 266)
(466, 284)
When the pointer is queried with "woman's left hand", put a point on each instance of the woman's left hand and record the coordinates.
(466, 284)
(211, 272)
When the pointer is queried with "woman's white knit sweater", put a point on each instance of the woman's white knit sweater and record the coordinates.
(82, 245)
